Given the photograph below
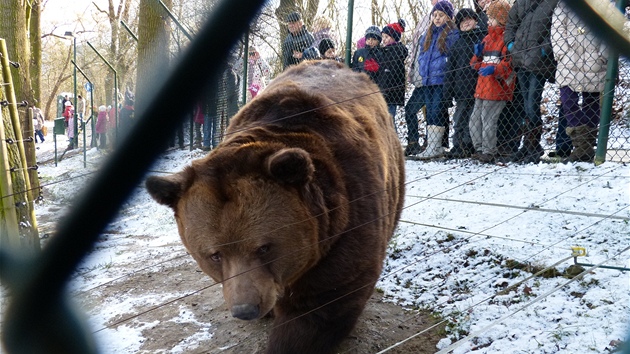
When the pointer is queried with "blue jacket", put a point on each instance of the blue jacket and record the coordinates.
(432, 63)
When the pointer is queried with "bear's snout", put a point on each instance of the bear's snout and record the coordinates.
(246, 311)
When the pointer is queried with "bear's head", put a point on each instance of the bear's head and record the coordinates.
(247, 214)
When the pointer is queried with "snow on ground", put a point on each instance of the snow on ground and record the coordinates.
(469, 235)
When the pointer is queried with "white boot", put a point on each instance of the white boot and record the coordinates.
(434, 143)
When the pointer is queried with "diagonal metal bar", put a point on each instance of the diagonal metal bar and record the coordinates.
(39, 319)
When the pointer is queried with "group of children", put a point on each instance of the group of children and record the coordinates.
(457, 59)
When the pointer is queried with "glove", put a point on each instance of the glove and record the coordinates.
(479, 49)
(486, 70)
(371, 65)
(543, 52)
(510, 46)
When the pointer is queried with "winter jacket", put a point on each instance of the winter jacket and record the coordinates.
(38, 117)
(582, 57)
(366, 60)
(68, 113)
(198, 116)
(461, 78)
(498, 86)
(258, 72)
(391, 79)
(432, 62)
(299, 41)
(101, 123)
(112, 118)
(528, 28)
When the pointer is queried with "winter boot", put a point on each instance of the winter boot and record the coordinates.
(460, 151)
(412, 148)
(531, 150)
(434, 142)
(583, 139)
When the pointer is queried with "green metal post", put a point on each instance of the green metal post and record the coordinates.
(612, 72)
(76, 115)
(129, 30)
(349, 32)
(245, 68)
(179, 25)
(115, 86)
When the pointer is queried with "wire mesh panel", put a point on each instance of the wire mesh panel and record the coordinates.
(495, 81)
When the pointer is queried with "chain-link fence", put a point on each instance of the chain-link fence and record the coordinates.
(488, 82)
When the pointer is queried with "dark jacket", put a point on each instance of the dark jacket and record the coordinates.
(391, 78)
(461, 78)
(299, 41)
(370, 56)
(529, 28)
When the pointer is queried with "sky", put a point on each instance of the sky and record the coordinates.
(463, 229)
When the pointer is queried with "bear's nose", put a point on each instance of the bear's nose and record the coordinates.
(245, 311)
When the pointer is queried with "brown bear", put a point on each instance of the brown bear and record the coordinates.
(293, 211)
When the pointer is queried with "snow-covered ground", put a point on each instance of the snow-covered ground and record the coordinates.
(470, 239)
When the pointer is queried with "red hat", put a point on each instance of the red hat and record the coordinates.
(395, 30)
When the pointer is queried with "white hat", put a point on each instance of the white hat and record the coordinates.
(102, 108)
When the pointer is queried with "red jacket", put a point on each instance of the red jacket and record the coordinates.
(498, 86)
(68, 113)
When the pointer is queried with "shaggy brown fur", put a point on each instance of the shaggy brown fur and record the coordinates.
(294, 210)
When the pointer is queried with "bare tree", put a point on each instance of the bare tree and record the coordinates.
(120, 46)
(35, 37)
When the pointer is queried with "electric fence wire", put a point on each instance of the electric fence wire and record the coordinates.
(449, 315)
(427, 198)
(537, 299)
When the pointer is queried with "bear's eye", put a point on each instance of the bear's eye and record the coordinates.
(262, 250)
(216, 257)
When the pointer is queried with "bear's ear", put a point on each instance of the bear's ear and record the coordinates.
(168, 190)
(291, 166)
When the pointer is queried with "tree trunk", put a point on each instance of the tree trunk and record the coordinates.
(18, 167)
(13, 27)
(153, 52)
(36, 51)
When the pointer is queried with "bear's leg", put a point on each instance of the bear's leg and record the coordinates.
(319, 331)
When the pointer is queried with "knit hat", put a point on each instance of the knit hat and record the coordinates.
(444, 6)
(325, 44)
(68, 103)
(464, 14)
(373, 32)
(102, 108)
(293, 16)
(395, 30)
(498, 10)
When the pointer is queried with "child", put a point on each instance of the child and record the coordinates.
(392, 62)
(495, 84)
(101, 126)
(327, 50)
(435, 46)
(461, 80)
(38, 124)
(68, 114)
(366, 59)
